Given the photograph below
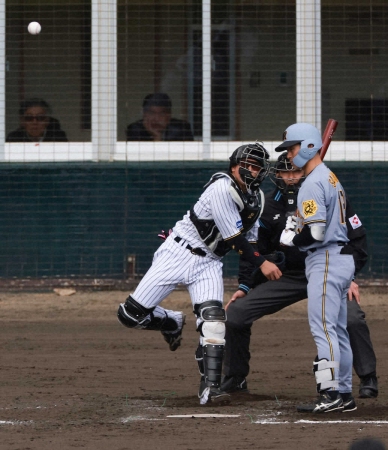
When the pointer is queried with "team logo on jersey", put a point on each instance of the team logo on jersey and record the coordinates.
(355, 222)
(333, 180)
(276, 217)
(239, 224)
(309, 208)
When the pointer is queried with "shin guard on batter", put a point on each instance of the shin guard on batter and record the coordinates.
(324, 374)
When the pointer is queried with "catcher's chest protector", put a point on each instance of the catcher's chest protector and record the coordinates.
(249, 205)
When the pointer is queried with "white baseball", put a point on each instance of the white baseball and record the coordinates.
(34, 28)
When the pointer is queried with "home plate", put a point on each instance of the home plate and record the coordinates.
(203, 416)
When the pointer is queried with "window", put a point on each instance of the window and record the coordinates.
(54, 65)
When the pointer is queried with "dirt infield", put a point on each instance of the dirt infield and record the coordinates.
(73, 377)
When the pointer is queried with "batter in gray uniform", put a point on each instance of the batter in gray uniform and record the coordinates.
(320, 229)
(225, 217)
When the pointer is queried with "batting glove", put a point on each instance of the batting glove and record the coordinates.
(291, 223)
(286, 238)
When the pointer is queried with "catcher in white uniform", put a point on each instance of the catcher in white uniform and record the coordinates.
(225, 217)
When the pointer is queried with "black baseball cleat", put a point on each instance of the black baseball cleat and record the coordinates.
(324, 404)
(368, 387)
(348, 402)
(211, 395)
(234, 384)
(174, 339)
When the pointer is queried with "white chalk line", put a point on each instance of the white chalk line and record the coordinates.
(322, 422)
(203, 416)
(136, 418)
(15, 422)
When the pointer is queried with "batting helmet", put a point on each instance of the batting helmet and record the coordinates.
(248, 153)
(307, 136)
(283, 164)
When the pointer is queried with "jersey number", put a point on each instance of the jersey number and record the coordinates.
(342, 206)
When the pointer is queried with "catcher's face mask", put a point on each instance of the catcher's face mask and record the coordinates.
(253, 165)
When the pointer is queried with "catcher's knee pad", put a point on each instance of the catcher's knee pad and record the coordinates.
(213, 333)
(210, 311)
(324, 374)
(212, 318)
(133, 315)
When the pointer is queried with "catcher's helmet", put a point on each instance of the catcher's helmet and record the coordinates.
(248, 153)
(283, 164)
(307, 136)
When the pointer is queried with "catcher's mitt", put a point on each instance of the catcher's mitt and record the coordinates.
(277, 258)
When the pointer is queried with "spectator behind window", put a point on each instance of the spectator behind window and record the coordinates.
(36, 124)
(157, 123)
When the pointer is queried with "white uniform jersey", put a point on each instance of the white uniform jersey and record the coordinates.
(216, 203)
(322, 201)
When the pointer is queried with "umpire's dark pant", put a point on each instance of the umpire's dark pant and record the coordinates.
(272, 296)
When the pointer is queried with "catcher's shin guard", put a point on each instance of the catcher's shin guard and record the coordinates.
(209, 359)
(132, 314)
(210, 352)
(212, 363)
(199, 359)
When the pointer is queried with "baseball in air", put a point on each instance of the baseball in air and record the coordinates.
(34, 28)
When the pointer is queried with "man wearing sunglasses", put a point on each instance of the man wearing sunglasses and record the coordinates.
(36, 125)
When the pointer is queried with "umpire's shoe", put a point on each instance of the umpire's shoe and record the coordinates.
(211, 395)
(234, 384)
(368, 387)
(349, 402)
(327, 402)
(174, 339)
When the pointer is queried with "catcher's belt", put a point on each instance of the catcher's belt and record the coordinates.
(195, 251)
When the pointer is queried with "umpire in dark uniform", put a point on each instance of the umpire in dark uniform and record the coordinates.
(266, 298)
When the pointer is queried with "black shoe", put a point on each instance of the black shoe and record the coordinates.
(212, 395)
(174, 339)
(234, 384)
(348, 402)
(324, 404)
(368, 387)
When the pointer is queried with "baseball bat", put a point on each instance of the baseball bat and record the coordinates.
(328, 136)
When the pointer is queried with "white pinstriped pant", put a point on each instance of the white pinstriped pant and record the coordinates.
(173, 264)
